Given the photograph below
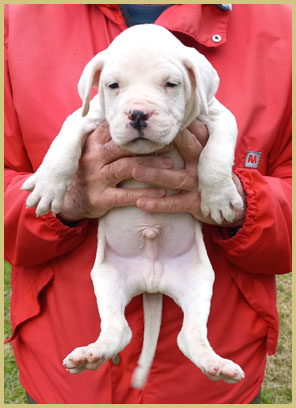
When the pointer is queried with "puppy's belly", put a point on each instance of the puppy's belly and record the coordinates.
(131, 232)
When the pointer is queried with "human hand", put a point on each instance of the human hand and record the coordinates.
(102, 166)
(189, 143)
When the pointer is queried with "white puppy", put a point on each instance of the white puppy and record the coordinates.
(150, 86)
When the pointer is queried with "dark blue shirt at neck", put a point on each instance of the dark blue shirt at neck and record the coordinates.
(142, 13)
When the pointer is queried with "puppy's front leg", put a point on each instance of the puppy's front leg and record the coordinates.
(48, 185)
(219, 196)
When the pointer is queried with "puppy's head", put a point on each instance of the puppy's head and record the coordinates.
(150, 86)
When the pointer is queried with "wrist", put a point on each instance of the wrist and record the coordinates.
(72, 210)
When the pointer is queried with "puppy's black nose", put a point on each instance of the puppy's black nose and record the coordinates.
(138, 119)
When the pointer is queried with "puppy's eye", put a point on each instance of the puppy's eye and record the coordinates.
(171, 84)
(114, 85)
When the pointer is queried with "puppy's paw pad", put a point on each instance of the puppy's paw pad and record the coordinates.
(84, 358)
(224, 369)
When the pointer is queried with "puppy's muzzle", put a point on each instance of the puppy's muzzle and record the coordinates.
(138, 120)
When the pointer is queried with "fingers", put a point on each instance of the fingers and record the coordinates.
(176, 203)
(122, 197)
(111, 152)
(167, 178)
(102, 133)
(187, 202)
(200, 131)
(104, 165)
(191, 141)
(122, 169)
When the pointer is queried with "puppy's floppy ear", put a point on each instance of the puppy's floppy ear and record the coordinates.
(204, 78)
(90, 77)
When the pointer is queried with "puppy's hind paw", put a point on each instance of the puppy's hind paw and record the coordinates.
(222, 369)
(84, 358)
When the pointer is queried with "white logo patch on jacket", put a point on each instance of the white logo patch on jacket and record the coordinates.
(252, 159)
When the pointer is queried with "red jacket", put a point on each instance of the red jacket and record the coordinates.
(53, 307)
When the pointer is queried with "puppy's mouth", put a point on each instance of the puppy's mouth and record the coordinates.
(137, 139)
(141, 145)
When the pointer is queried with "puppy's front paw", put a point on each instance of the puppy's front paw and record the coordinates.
(220, 201)
(48, 189)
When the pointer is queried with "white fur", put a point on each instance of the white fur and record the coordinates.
(140, 252)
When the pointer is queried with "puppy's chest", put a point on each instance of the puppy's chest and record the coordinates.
(132, 233)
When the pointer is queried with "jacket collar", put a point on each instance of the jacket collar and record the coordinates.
(206, 24)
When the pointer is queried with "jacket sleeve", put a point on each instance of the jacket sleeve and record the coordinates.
(28, 240)
(263, 244)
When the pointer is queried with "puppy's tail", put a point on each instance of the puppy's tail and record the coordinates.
(152, 304)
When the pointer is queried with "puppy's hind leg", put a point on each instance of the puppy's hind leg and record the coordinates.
(191, 288)
(112, 297)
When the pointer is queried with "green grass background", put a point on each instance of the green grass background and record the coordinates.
(277, 386)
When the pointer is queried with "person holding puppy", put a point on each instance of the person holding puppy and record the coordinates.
(53, 305)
